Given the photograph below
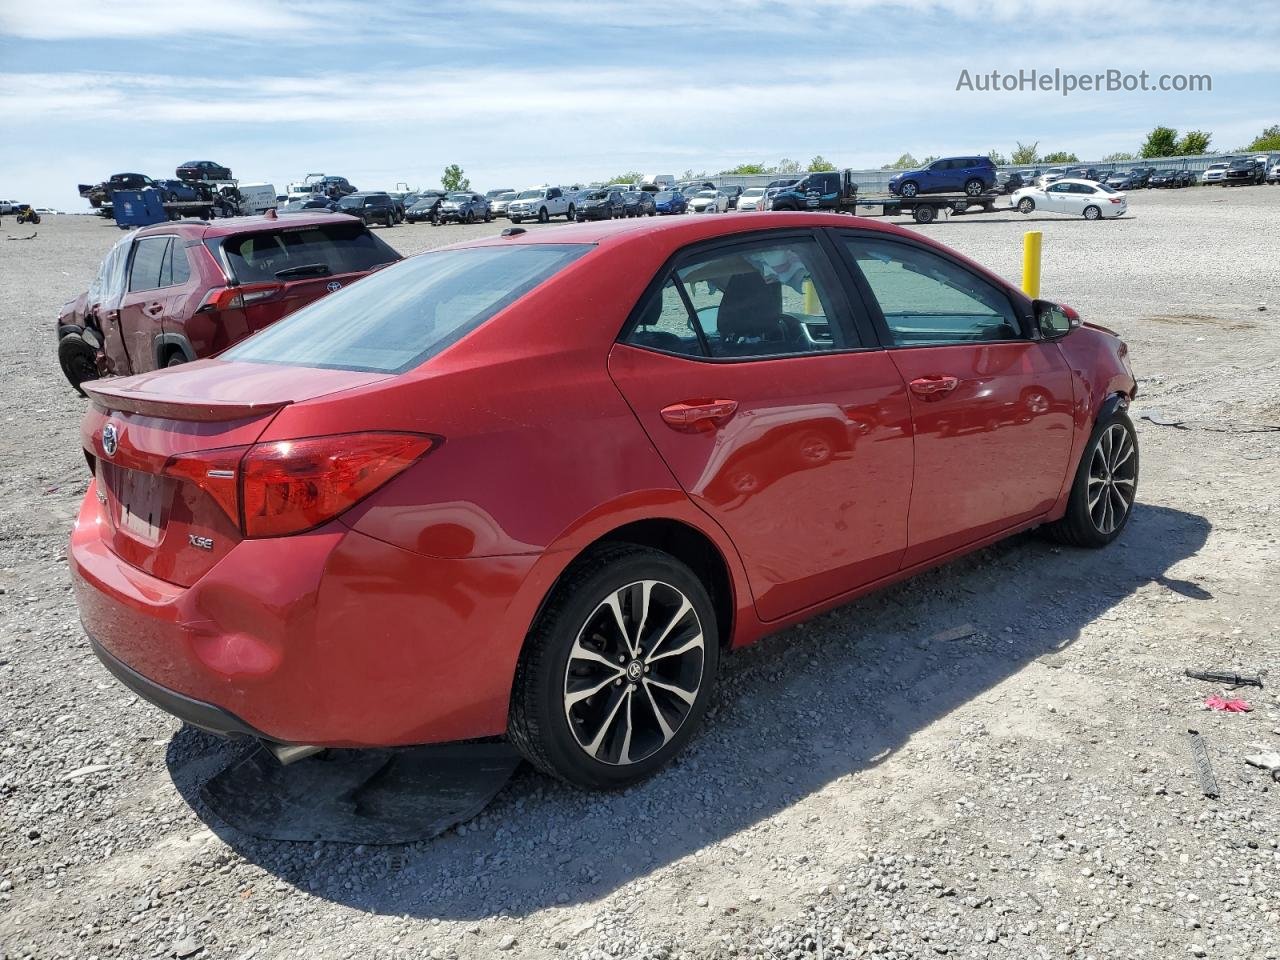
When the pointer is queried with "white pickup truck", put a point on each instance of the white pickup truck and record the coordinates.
(6, 206)
(541, 204)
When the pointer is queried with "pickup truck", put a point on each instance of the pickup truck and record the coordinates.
(817, 191)
(541, 204)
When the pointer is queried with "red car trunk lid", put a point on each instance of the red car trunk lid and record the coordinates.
(165, 446)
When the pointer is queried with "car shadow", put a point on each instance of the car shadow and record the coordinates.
(819, 702)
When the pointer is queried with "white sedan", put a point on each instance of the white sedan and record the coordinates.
(709, 201)
(1081, 198)
(751, 199)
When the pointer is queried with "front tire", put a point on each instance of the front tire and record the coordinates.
(618, 670)
(1104, 489)
(1026, 205)
(78, 360)
(909, 189)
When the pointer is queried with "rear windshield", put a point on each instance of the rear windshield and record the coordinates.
(395, 319)
(329, 248)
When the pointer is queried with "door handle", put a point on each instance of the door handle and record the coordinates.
(153, 309)
(699, 416)
(934, 386)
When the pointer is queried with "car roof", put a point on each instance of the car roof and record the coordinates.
(229, 226)
(679, 231)
(674, 233)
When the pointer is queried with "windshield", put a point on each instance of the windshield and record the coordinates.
(530, 195)
(459, 197)
(707, 193)
(509, 195)
(664, 196)
(351, 201)
(346, 247)
(397, 318)
(598, 195)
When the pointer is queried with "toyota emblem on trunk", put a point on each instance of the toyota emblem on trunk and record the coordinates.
(334, 286)
(110, 439)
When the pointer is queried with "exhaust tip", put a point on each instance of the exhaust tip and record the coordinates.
(287, 753)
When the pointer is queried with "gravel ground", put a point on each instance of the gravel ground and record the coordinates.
(989, 761)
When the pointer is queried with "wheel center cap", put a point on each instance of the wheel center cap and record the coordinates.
(635, 669)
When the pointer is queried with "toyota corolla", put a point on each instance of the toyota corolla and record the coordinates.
(537, 485)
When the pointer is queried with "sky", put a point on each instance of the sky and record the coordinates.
(521, 93)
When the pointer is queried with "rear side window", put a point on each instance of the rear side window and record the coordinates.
(149, 256)
(400, 317)
(295, 252)
(769, 299)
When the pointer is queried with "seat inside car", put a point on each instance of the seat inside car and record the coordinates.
(750, 319)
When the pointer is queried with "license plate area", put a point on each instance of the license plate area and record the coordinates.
(136, 501)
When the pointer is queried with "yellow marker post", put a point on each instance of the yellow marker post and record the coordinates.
(812, 305)
(1031, 263)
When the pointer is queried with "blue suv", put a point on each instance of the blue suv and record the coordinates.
(972, 175)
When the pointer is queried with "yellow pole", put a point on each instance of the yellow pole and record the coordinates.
(812, 306)
(1031, 263)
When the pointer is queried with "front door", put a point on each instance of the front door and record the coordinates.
(991, 407)
(774, 416)
(1061, 199)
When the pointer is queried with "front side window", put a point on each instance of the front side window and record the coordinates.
(752, 301)
(927, 300)
(395, 319)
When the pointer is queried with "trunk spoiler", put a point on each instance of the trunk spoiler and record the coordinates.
(174, 408)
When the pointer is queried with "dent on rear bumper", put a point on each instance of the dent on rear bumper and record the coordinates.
(330, 637)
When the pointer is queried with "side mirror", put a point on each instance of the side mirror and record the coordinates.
(1054, 320)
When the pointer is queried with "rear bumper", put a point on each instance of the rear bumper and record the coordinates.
(206, 716)
(332, 638)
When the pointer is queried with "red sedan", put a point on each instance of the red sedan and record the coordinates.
(535, 486)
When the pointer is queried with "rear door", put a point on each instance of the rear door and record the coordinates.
(147, 299)
(763, 394)
(991, 407)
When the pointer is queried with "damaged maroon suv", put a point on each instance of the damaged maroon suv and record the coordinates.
(175, 292)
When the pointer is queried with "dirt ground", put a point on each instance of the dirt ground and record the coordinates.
(989, 761)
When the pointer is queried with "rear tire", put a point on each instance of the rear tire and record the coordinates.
(542, 216)
(1104, 488)
(176, 359)
(601, 709)
(78, 360)
(973, 188)
(571, 215)
(1092, 213)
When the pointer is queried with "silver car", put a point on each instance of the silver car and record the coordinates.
(1215, 173)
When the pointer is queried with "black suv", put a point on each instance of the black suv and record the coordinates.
(1244, 171)
(371, 208)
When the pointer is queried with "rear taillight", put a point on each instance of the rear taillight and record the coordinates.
(1117, 199)
(285, 487)
(237, 298)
